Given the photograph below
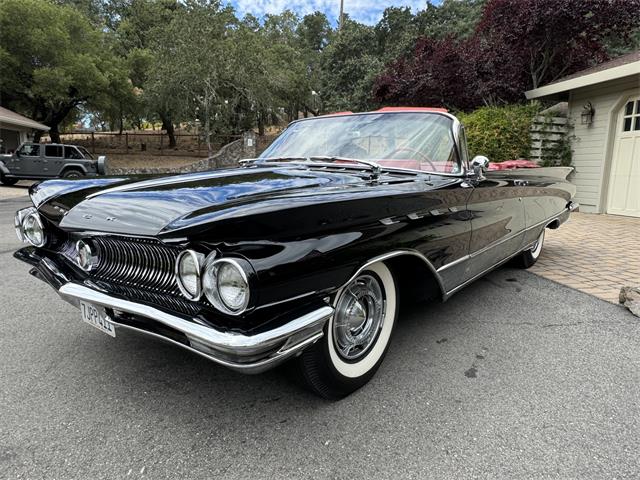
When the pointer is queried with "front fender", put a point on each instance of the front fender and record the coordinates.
(3, 168)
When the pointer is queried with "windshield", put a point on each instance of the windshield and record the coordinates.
(416, 141)
(85, 152)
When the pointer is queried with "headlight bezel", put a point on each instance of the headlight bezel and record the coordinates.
(18, 219)
(198, 259)
(93, 258)
(33, 214)
(210, 284)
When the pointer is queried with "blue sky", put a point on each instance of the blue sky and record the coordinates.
(365, 11)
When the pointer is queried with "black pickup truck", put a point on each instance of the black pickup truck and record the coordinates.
(36, 161)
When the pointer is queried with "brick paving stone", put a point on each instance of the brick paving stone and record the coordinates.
(596, 254)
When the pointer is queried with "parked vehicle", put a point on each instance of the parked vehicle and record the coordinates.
(303, 254)
(38, 161)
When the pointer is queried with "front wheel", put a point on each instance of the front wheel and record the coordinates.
(356, 338)
(8, 181)
(530, 256)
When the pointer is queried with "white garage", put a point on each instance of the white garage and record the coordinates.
(16, 129)
(604, 110)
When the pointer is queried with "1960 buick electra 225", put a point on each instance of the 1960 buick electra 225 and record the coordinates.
(301, 255)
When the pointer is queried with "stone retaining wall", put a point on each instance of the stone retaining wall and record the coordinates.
(227, 156)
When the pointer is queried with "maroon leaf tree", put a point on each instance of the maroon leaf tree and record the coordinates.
(437, 75)
(534, 42)
(518, 45)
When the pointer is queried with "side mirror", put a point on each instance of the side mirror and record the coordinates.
(479, 164)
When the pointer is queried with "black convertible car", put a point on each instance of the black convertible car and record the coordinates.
(301, 254)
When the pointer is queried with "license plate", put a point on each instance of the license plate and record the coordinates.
(96, 317)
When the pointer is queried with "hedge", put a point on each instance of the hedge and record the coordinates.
(500, 133)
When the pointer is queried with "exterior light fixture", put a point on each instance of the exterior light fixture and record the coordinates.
(587, 114)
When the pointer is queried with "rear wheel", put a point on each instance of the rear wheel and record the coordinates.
(356, 338)
(530, 256)
(72, 173)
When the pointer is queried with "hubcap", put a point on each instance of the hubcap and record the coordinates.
(359, 317)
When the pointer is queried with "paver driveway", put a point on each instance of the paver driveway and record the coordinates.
(596, 254)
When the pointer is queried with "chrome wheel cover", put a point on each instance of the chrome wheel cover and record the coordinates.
(358, 317)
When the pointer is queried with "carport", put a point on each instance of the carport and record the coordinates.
(16, 129)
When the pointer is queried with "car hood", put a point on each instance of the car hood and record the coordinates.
(156, 206)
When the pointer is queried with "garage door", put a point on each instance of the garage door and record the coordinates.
(624, 181)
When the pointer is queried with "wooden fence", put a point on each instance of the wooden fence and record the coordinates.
(546, 133)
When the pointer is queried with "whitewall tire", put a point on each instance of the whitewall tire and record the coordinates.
(356, 338)
(530, 256)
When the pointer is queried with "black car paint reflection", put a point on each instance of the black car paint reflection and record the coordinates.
(306, 230)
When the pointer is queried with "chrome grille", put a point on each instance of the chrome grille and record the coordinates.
(162, 300)
(139, 263)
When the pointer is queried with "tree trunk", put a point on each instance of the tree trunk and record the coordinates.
(55, 118)
(54, 134)
(121, 120)
(167, 125)
(207, 129)
(260, 123)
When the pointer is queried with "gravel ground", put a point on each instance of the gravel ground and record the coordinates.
(514, 377)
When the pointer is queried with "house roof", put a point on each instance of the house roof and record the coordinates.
(9, 117)
(619, 67)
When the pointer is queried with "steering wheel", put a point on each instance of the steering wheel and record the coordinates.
(419, 154)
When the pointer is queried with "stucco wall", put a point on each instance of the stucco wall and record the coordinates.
(592, 143)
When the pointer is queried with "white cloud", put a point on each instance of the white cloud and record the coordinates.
(365, 11)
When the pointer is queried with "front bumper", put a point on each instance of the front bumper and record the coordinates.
(247, 353)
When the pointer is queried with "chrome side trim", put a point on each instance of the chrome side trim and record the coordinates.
(398, 253)
(290, 299)
(259, 351)
(454, 263)
(499, 242)
(545, 222)
(480, 252)
(478, 275)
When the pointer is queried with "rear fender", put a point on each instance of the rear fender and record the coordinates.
(74, 166)
(554, 172)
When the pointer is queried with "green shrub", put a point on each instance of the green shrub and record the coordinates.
(500, 133)
(558, 152)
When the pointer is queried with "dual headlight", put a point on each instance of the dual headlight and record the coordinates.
(224, 281)
(29, 228)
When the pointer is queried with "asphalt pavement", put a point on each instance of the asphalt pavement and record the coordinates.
(514, 377)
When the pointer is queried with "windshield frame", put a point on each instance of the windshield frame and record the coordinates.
(456, 126)
(84, 152)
